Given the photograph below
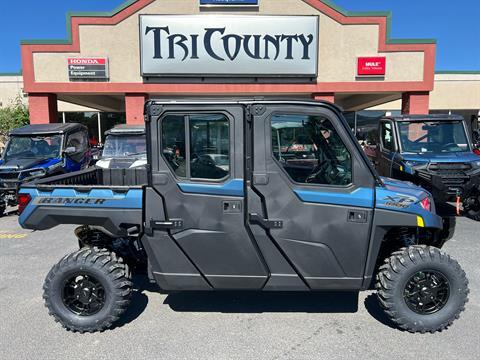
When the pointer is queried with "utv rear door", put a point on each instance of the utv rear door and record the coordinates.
(311, 194)
(195, 210)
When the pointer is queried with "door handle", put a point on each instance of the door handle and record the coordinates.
(163, 225)
(357, 216)
(255, 218)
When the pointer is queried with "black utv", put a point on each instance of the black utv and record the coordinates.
(254, 195)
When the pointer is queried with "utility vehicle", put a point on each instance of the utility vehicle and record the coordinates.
(277, 217)
(37, 151)
(125, 147)
(435, 152)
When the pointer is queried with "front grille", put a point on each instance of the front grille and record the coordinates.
(449, 166)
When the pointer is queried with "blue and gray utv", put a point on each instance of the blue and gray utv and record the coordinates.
(37, 151)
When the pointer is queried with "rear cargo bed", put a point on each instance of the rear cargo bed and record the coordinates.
(109, 198)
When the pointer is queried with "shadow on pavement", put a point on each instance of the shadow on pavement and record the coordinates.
(261, 302)
(375, 310)
(139, 300)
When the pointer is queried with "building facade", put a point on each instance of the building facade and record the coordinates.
(112, 62)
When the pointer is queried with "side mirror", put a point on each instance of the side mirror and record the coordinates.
(70, 150)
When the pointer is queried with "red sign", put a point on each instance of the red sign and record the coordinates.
(87, 61)
(371, 66)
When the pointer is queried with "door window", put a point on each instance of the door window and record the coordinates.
(79, 141)
(173, 143)
(205, 153)
(310, 149)
(387, 136)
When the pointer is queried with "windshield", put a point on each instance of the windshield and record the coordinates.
(26, 147)
(125, 146)
(433, 137)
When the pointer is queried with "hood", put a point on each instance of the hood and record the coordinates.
(24, 164)
(466, 156)
(404, 187)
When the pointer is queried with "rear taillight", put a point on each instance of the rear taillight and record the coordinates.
(425, 204)
(23, 200)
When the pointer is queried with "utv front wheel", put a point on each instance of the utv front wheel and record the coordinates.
(422, 289)
(88, 290)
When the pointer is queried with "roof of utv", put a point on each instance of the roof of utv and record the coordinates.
(241, 101)
(434, 117)
(42, 129)
(126, 130)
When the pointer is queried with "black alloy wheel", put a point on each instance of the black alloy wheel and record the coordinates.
(427, 292)
(83, 294)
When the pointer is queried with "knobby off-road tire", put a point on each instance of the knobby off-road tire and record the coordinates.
(422, 289)
(88, 290)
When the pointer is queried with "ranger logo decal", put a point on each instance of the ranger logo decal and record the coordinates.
(61, 201)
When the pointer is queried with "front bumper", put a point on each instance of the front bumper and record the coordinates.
(447, 181)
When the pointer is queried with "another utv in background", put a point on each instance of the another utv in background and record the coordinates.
(37, 151)
(435, 152)
(125, 147)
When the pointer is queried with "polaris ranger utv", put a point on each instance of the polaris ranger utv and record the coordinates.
(297, 207)
(37, 151)
(125, 147)
(434, 152)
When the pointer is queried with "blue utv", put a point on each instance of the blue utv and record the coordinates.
(37, 151)
(434, 152)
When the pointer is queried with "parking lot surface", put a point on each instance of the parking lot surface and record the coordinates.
(219, 325)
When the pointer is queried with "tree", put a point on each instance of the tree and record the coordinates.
(12, 116)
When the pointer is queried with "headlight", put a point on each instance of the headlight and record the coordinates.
(39, 172)
(475, 164)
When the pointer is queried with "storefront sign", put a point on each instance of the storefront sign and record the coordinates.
(229, 2)
(371, 66)
(229, 45)
(87, 68)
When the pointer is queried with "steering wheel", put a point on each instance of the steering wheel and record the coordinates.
(318, 171)
(449, 145)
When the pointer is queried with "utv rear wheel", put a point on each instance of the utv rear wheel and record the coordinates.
(422, 289)
(88, 290)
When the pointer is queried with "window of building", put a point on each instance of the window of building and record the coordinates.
(208, 155)
(387, 136)
(310, 149)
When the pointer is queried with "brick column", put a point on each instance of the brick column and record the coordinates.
(134, 108)
(415, 103)
(43, 108)
(330, 97)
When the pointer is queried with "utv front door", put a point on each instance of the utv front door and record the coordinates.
(311, 194)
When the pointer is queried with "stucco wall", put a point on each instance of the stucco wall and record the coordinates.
(339, 45)
(451, 92)
(11, 87)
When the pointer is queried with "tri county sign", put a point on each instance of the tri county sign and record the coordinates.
(228, 45)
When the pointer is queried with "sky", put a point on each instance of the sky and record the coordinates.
(455, 25)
